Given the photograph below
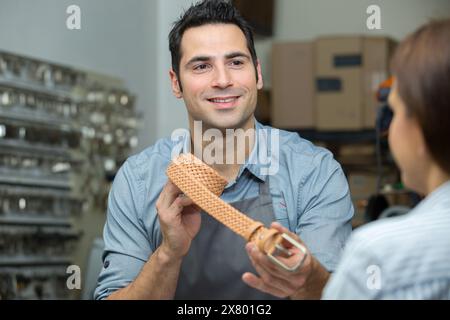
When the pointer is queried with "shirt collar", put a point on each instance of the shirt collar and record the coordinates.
(260, 149)
(437, 199)
(253, 162)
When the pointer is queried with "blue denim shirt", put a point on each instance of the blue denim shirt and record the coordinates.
(309, 191)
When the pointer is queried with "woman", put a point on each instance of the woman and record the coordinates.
(409, 257)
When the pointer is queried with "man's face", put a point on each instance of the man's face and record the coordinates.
(217, 76)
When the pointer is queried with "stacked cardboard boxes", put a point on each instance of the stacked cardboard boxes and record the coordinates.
(293, 85)
(348, 72)
(329, 84)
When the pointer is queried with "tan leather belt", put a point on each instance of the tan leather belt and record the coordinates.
(203, 185)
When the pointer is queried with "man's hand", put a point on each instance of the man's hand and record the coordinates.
(305, 283)
(180, 221)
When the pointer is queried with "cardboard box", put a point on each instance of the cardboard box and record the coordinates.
(339, 107)
(338, 78)
(348, 72)
(293, 85)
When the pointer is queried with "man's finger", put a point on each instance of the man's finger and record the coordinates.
(270, 276)
(298, 254)
(279, 227)
(282, 229)
(179, 204)
(257, 283)
(193, 209)
(169, 193)
(271, 267)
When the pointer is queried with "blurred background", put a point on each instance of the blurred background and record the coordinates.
(74, 104)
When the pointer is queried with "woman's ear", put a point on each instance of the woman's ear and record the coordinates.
(422, 149)
(416, 132)
(175, 84)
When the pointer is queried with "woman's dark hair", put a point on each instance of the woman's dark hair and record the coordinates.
(208, 12)
(421, 66)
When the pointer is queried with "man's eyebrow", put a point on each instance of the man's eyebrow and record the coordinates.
(236, 54)
(198, 59)
(228, 56)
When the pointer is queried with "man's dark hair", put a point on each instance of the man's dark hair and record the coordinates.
(208, 12)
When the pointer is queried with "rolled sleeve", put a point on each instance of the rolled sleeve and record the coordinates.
(127, 245)
(327, 210)
(118, 271)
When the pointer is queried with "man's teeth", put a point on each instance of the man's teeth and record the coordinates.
(223, 100)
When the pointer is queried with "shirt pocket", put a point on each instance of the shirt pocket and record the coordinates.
(280, 208)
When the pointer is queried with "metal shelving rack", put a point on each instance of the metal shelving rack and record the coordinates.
(62, 133)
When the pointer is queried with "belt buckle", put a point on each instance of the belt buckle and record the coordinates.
(280, 250)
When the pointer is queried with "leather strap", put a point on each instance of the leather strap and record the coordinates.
(204, 186)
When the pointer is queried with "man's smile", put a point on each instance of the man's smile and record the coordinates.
(224, 102)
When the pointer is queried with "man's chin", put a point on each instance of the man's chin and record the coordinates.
(223, 124)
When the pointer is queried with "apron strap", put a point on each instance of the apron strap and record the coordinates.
(264, 187)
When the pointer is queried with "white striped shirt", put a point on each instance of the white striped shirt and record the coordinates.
(406, 257)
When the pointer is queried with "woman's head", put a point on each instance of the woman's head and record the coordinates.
(420, 131)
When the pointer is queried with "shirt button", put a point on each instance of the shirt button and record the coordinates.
(106, 264)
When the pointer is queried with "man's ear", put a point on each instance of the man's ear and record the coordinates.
(260, 82)
(175, 84)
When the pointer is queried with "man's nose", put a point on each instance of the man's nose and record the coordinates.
(222, 78)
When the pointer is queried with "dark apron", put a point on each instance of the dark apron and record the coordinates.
(217, 258)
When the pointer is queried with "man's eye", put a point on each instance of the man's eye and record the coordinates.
(201, 67)
(236, 63)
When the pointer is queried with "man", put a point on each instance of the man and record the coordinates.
(157, 243)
